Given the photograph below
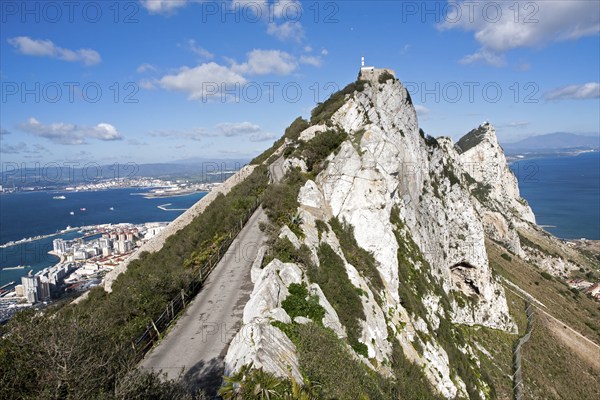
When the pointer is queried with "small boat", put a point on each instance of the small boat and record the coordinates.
(13, 268)
(72, 213)
(82, 209)
(112, 209)
(59, 197)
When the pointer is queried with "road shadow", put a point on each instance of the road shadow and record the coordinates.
(205, 376)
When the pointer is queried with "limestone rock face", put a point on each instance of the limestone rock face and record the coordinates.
(263, 346)
(499, 201)
(482, 157)
(259, 342)
(402, 192)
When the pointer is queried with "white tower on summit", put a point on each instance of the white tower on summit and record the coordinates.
(362, 65)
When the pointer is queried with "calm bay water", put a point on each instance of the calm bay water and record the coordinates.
(30, 214)
(564, 193)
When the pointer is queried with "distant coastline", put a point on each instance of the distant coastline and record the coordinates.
(511, 158)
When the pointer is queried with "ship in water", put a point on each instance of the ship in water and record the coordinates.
(72, 213)
(13, 268)
(59, 197)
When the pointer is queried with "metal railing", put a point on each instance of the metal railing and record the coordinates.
(156, 328)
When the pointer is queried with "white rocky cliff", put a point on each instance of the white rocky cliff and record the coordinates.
(410, 201)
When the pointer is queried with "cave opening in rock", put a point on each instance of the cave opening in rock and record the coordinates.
(464, 278)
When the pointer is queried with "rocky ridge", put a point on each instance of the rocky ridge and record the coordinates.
(422, 207)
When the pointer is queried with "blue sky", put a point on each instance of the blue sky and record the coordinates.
(142, 81)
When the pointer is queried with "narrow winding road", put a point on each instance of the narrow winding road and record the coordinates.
(195, 347)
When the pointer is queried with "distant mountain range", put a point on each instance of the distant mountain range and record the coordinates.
(559, 142)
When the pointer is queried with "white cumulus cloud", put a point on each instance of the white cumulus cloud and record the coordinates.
(145, 68)
(590, 90)
(166, 7)
(311, 60)
(262, 137)
(502, 26)
(224, 129)
(229, 129)
(192, 46)
(204, 80)
(486, 56)
(264, 62)
(46, 48)
(65, 133)
(286, 31)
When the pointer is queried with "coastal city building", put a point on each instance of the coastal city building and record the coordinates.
(83, 263)
(32, 288)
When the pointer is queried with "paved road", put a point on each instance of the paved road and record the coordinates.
(276, 170)
(194, 349)
(196, 346)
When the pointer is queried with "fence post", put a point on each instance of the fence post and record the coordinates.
(156, 329)
(183, 297)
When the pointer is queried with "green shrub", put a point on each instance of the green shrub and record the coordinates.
(254, 384)
(281, 200)
(361, 259)
(451, 338)
(361, 348)
(506, 257)
(325, 359)
(264, 156)
(323, 112)
(386, 76)
(299, 304)
(293, 131)
(482, 192)
(413, 283)
(410, 380)
(340, 292)
(546, 275)
(316, 150)
(467, 177)
(449, 172)
(321, 227)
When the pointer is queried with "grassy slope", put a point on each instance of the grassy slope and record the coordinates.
(551, 369)
(578, 311)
